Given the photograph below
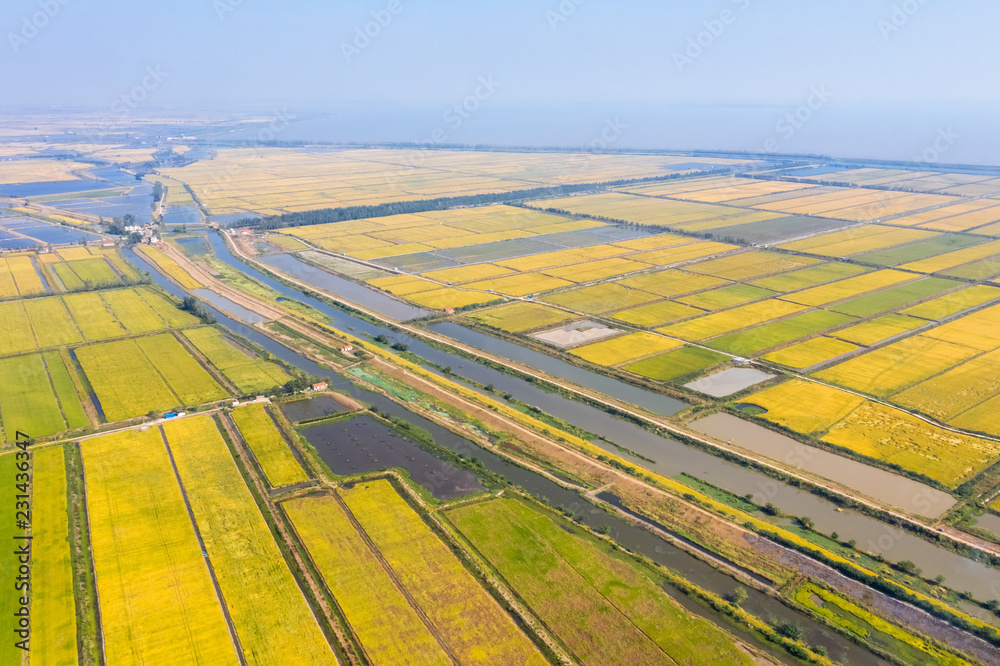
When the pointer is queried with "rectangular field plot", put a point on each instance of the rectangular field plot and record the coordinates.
(857, 239)
(25, 275)
(439, 299)
(750, 265)
(403, 285)
(875, 331)
(128, 383)
(86, 273)
(596, 270)
(657, 314)
(390, 630)
(984, 269)
(247, 372)
(519, 285)
(625, 348)
(27, 400)
(888, 434)
(66, 389)
(977, 330)
(781, 332)
(779, 229)
(885, 371)
(725, 297)
(601, 298)
(53, 610)
(951, 393)
(564, 576)
(894, 297)
(132, 311)
(448, 594)
(640, 210)
(949, 260)
(921, 250)
(671, 282)
(675, 255)
(811, 352)
(462, 274)
(727, 321)
(804, 406)
(271, 617)
(677, 363)
(158, 605)
(268, 446)
(186, 377)
(92, 316)
(561, 258)
(853, 286)
(51, 322)
(520, 317)
(953, 303)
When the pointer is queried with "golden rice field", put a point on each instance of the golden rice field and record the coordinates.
(536, 262)
(951, 393)
(596, 270)
(521, 284)
(447, 297)
(448, 594)
(652, 211)
(945, 214)
(269, 180)
(727, 321)
(19, 272)
(677, 254)
(625, 348)
(893, 436)
(887, 370)
(805, 406)
(718, 190)
(977, 330)
(943, 262)
(656, 314)
(857, 239)
(876, 330)
(747, 265)
(811, 352)
(461, 274)
(671, 282)
(272, 619)
(268, 446)
(600, 298)
(520, 317)
(39, 170)
(953, 303)
(853, 286)
(248, 372)
(389, 629)
(53, 610)
(158, 605)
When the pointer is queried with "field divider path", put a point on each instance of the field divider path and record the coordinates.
(201, 544)
(395, 580)
(241, 447)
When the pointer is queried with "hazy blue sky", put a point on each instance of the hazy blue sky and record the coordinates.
(571, 66)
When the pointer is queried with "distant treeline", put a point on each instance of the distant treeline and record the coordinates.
(328, 215)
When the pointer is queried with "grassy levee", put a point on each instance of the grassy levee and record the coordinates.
(158, 605)
(604, 608)
(851, 618)
(88, 635)
(389, 629)
(53, 608)
(268, 446)
(469, 620)
(271, 616)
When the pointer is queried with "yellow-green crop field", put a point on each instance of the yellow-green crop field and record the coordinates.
(809, 353)
(671, 282)
(962, 388)
(953, 303)
(447, 297)
(403, 285)
(725, 297)
(854, 286)
(955, 211)
(601, 298)
(675, 255)
(158, 605)
(448, 594)
(747, 265)
(655, 242)
(50, 322)
(625, 348)
(521, 284)
(891, 435)
(810, 276)
(876, 330)
(30, 399)
(977, 330)
(727, 321)
(20, 277)
(53, 610)
(887, 370)
(644, 210)
(534, 262)
(389, 629)
(90, 273)
(604, 607)
(268, 446)
(677, 363)
(805, 406)
(248, 373)
(857, 239)
(39, 170)
(129, 383)
(170, 267)
(461, 274)
(272, 619)
(657, 314)
(596, 270)
(521, 316)
(943, 262)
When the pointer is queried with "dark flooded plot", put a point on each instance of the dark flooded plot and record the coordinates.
(311, 408)
(363, 444)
